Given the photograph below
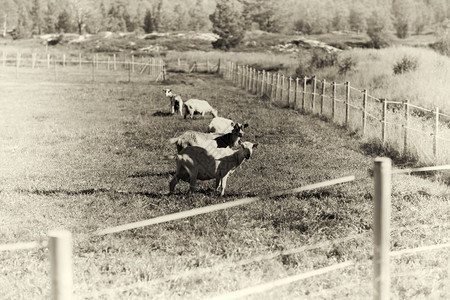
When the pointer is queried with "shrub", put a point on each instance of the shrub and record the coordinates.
(321, 59)
(346, 65)
(406, 64)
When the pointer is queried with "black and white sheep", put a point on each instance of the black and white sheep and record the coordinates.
(197, 163)
(176, 103)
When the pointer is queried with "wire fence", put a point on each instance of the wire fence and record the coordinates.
(83, 68)
(60, 242)
(411, 130)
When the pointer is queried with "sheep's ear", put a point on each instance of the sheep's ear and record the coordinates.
(245, 125)
(255, 145)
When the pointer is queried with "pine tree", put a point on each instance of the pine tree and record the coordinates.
(228, 24)
(64, 23)
(36, 17)
(148, 22)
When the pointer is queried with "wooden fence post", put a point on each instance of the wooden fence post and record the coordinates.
(322, 96)
(282, 92)
(304, 93)
(382, 216)
(132, 63)
(347, 103)
(364, 112)
(263, 82)
(56, 73)
(289, 91)
(436, 133)
(17, 64)
(296, 94)
(405, 127)
(313, 97)
(79, 59)
(93, 69)
(333, 102)
(64, 61)
(60, 250)
(33, 60)
(383, 121)
(48, 61)
(115, 62)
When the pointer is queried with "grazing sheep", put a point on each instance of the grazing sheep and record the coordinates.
(216, 140)
(202, 107)
(222, 125)
(204, 164)
(176, 103)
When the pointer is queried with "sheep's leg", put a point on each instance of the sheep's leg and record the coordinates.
(223, 184)
(172, 109)
(193, 179)
(173, 183)
(218, 183)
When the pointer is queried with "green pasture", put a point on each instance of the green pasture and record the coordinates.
(85, 156)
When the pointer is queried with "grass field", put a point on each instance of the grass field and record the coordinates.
(84, 157)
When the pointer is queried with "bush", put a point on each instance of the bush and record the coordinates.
(321, 59)
(406, 64)
(346, 65)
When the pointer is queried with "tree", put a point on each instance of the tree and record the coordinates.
(356, 20)
(263, 13)
(227, 24)
(23, 27)
(64, 23)
(377, 28)
(403, 17)
(8, 15)
(148, 22)
(180, 21)
(197, 17)
(50, 19)
(36, 17)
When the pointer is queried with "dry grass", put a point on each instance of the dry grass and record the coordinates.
(85, 156)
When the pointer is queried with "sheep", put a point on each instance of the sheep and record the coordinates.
(202, 107)
(222, 125)
(197, 163)
(217, 140)
(176, 103)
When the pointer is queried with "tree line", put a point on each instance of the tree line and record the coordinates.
(24, 18)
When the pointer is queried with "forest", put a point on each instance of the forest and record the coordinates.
(25, 18)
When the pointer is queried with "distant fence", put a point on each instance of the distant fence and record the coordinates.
(60, 242)
(409, 129)
(83, 67)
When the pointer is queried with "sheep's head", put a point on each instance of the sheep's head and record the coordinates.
(168, 92)
(238, 129)
(248, 148)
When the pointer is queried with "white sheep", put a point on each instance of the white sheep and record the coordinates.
(202, 107)
(176, 103)
(220, 125)
(217, 140)
(197, 163)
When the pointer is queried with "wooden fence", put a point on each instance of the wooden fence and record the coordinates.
(410, 129)
(78, 67)
(60, 242)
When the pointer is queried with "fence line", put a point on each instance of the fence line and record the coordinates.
(280, 282)
(154, 68)
(349, 109)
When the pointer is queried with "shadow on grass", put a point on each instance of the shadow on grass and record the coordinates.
(162, 114)
(376, 148)
(56, 192)
(152, 174)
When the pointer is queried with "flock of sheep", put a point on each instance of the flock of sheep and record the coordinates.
(205, 156)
